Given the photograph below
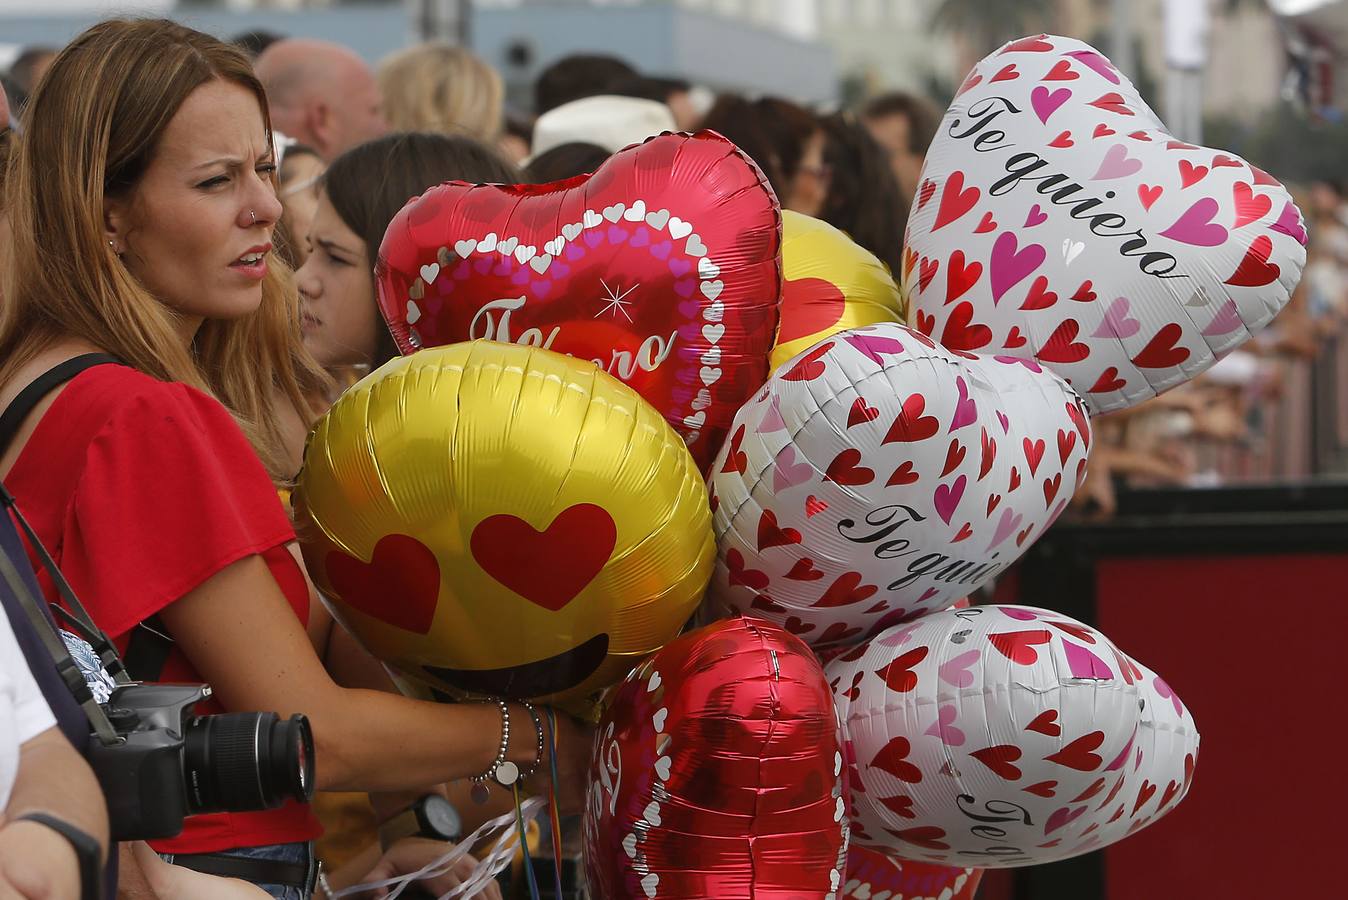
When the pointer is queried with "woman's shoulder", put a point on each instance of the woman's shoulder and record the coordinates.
(125, 396)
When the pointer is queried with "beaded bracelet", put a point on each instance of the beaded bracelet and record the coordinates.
(503, 771)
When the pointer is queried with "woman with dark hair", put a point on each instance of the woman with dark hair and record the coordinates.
(565, 161)
(863, 195)
(359, 195)
(786, 141)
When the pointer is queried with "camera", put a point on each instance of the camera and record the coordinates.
(169, 763)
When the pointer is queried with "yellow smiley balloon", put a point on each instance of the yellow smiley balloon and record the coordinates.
(829, 284)
(501, 520)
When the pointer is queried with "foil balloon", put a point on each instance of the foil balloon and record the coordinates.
(1003, 736)
(717, 772)
(879, 476)
(495, 519)
(830, 284)
(1057, 220)
(664, 267)
(872, 875)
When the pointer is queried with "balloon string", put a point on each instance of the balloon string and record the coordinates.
(552, 803)
(524, 844)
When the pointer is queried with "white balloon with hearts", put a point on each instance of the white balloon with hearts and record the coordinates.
(1057, 219)
(1003, 736)
(878, 476)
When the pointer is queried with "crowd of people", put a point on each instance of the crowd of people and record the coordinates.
(208, 214)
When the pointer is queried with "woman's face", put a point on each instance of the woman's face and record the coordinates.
(341, 320)
(299, 197)
(196, 229)
(809, 186)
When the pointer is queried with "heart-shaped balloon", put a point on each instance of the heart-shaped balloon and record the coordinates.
(872, 874)
(717, 772)
(878, 476)
(501, 520)
(1057, 220)
(831, 284)
(1002, 735)
(664, 268)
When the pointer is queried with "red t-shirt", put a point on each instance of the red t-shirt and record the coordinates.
(141, 490)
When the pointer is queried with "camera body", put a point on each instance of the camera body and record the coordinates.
(170, 763)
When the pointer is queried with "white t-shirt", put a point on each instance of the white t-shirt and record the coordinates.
(24, 713)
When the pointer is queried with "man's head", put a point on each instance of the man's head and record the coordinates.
(321, 94)
(576, 77)
(904, 125)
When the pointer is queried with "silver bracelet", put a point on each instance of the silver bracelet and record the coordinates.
(323, 885)
(502, 770)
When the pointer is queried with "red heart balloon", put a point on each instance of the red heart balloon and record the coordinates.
(664, 267)
(717, 772)
(399, 585)
(550, 567)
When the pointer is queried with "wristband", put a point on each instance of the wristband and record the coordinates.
(86, 848)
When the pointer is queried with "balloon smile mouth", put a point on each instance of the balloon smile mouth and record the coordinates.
(535, 679)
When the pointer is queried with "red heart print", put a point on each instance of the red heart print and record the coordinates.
(1250, 207)
(1062, 346)
(767, 604)
(809, 306)
(1113, 792)
(993, 501)
(548, 568)
(1221, 159)
(1171, 790)
(1191, 174)
(910, 425)
(1051, 486)
(927, 269)
(1042, 789)
(1018, 646)
(1149, 194)
(1034, 452)
(1007, 73)
(860, 412)
(923, 195)
(1262, 177)
(1084, 294)
(1029, 45)
(1140, 136)
(1046, 723)
(1039, 297)
(794, 625)
(927, 836)
(1161, 351)
(900, 806)
(750, 578)
(1063, 71)
(1066, 441)
(838, 631)
(893, 758)
(804, 570)
(965, 531)
(898, 674)
(960, 277)
(904, 474)
(1144, 793)
(1000, 760)
(958, 334)
(845, 469)
(735, 460)
(811, 365)
(1112, 102)
(845, 590)
(989, 454)
(770, 535)
(1109, 380)
(1063, 141)
(1090, 792)
(1255, 270)
(986, 224)
(1015, 480)
(969, 82)
(1180, 145)
(1060, 818)
(1013, 340)
(1080, 632)
(925, 322)
(1078, 418)
(814, 506)
(399, 585)
(955, 200)
(1077, 755)
(1103, 130)
(954, 455)
(909, 260)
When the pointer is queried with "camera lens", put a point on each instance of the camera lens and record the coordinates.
(247, 761)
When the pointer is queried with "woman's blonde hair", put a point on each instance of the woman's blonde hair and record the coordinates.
(443, 88)
(90, 131)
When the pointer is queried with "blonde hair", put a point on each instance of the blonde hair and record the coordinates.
(443, 88)
(90, 132)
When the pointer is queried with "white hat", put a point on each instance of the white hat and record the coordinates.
(610, 121)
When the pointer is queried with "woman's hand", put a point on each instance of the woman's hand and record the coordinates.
(413, 854)
(176, 883)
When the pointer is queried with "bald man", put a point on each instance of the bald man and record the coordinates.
(321, 94)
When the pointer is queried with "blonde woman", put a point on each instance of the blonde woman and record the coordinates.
(143, 204)
(443, 88)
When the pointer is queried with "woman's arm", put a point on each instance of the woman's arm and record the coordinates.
(241, 635)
